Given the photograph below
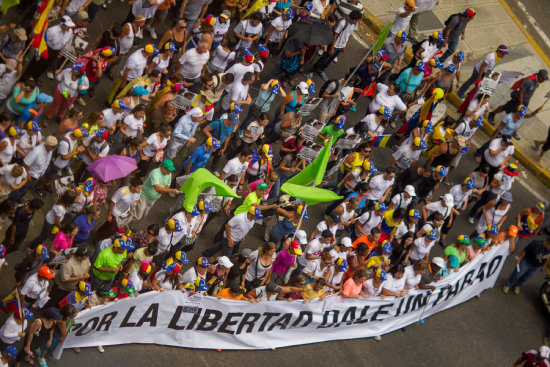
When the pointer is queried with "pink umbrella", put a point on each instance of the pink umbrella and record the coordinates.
(112, 167)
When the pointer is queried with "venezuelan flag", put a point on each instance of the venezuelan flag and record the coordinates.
(380, 141)
(424, 113)
(257, 5)
(39, 40)
(9, 303)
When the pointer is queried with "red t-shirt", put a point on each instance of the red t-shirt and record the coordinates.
(91, 69)
(529, 359)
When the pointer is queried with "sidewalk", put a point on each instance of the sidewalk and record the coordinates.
(493, 25)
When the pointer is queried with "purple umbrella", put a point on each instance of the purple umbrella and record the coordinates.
(112, 167)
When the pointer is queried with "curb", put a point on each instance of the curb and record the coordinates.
(371, 21)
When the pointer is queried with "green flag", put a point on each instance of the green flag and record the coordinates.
(381, 38)
(6, 4)
(314, 172)
(200, 180)
(311, 195)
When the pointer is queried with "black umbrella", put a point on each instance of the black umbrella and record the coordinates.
(311, 33)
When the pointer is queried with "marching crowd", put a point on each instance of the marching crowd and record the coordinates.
(196, 95)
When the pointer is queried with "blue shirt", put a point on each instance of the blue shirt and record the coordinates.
(84, 228)
(185, 128)
(362, 201)
(223, 132)
(199, 158)
(413, 82)
(510, 125)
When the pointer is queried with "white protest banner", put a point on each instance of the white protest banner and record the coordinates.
(174, 318)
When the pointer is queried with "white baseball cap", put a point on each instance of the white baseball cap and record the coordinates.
(439, 262)
(224, 261)
(195, 112)
(448, 199)
(68, 21)
(346, 241)
(303, 88)
(409, 189)
(544, 351)
(301, 236)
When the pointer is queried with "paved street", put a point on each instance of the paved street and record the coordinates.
(489, 331)
(534, 15)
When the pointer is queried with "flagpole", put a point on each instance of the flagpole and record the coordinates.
(20, 310)
(26, 50)
(299, 222)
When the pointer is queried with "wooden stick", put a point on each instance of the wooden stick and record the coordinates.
(544, 102)
(26, 50)
(62, 65)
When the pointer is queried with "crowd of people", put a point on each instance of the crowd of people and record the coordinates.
(223, 88)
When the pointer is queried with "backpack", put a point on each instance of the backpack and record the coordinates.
(449, 19)
(325, 86)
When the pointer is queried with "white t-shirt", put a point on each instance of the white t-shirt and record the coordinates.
(134, 126)
(95, 147)
(400, 24)
(136, 64)
(313, 268)
(261, 293)
(238, 71)
(246, 28)
(124, 199)
(369, 220)
(370, 290)
(166, 240)
(411, 279)
(162, 64)
(240, 226)
(222, 58)
(383, 99)
(317, 9)
(56, 211)
(436, 206)
(239, 92)
(280, 26)
(255, 268)
(27, 142)
(459, 197)
(429, 50)
(378, 186)
(496, 160)
(220, 29)
(7, 177)
(167, 284)
(322, 226)
(7, 154)
(405, 155)
(235, 167)
(110, 118)
(66, 146)
(192, 63)
(7, 82)
(344, 29)
(465, 130)
(400, 201)
(315, 248)
(154, 145)
(394, 285)
(10, 329)
(489, 60)
(421, 249)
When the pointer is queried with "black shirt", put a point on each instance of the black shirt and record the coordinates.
(106, 40)
(22, 220)
(536, 254)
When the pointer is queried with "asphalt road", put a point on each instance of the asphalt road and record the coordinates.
(491, 330)
(534, 15)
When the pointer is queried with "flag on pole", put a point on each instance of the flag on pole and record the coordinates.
(313, 174)
(424, 113)
(380, 141)
(44, 10)
(200, 180)
(382, 35)
(311, 195)
(39, 42)
(257, 5)
(9, 303)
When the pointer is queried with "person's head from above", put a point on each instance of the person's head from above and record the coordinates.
(437, 219)
(326, 258)
(380, 208)
(224, 264)
(66, 23)
(271, 178)
(397, 271)
(463, 241)
(248, 78)
(45, 273)
(414, 216)
(243, 258)
(390, 173)
(67, 311)
(355, 16)
(203, 46)
(232, 180)
(409, 5)
(165, 130)
(398, 215)
(254, 213)
(452, 262)
(140, 20)
(543, 353)
(167, 167)
(152, 247)
(362, 249)
(401, 37)
(29, 84)
(136, 184)
(436, 264)
(70, 229)
(5, 121)
(502, 51)
(288, 14)
(439, 173)
(447, 200)
(379, 277)
(245, 155)
(362, 189)
(407, 239)
(359, 276)
(319, 284)
(420, 266)
(353, 203)
(393, 89)
(538, 208)
(326, 237)
(374, 235)
(330, 20)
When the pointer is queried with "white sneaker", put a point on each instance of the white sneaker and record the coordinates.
(377, 338)
(50, 75)
(77, 350)
(319, 51)
(152, 33)
(335, 59)
(80, 101)
(140, 34)
(100, 349)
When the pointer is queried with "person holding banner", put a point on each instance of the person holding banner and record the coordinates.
(533, 257)
(14, 327)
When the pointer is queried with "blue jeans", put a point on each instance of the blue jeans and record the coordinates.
(468, 83)
(223, 245)
(451, 48)
(526, 271)
(325, 60)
